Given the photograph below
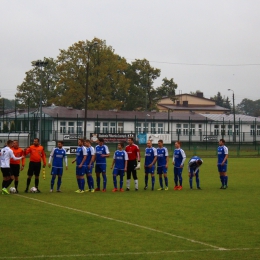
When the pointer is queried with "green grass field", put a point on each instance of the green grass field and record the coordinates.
(188, 224)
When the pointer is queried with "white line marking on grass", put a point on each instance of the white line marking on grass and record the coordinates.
(126, 253)
(124, 222)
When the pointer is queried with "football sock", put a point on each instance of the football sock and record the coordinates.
(180, 179)
(98, 182)
(161, 182)
(166, 181)
(153, 181)
(53, 181)
(91, 182)
(175, 179)
(16, 184)
(9, 182)
(28, 183)
(146, 180)
(121, 181)
(36, 182)
(128, 183)
(83, 184)
(136, 184)
(104, 181)
(220, 177)
(115, 182)
(58, 183)
(197, 181)
(78, 181)
(190, 182)
(226, 179)
(222, 180)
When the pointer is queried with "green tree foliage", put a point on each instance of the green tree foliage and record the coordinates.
(167, 88)
(7, 104)
(142, 93)
(5, 128)
(221, 100)
(38, 79)
(107, 84)
(194, 93)
(249, 107)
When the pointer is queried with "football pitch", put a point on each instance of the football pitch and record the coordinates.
(189, 224)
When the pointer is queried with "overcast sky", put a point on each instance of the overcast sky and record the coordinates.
(191, 41)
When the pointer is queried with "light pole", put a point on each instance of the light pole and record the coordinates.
(234, 114)
(40, 64)
(88, 49)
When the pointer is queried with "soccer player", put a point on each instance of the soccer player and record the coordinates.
(37, 154)
(89, 163)
(81, 156)
(15, 164)
(178, 160)
(6, 155)
(222, 163)
(120, 160)
(149, 163)
(101, 153)
(133, 153)
(162, 164)
(193, 167)
(57, 156)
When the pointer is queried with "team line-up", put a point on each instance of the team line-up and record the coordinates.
(12, 160)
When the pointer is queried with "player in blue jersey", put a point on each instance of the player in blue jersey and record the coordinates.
(119, 164)
(89, 164)
(222, 163)
(193, 167)
(101, 153)
(162, 164)
(57, 156)
(81, 156)
(149, 163)
(178, 160)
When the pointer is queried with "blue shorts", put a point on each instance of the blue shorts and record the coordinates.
(161, 170)
(192, 172)
(222, 168)
(150, 170)
(177, 171)
(118, 172)
(56, 171)
(80, 171)
(88, 170)
(100, 168)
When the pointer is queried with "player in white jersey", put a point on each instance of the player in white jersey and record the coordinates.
(6, 155)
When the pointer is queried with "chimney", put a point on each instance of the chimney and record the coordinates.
(200, 94)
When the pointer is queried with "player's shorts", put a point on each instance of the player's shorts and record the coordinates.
(177, 171)
(100, 168)
(80, 171)
(192, 172)
(56, 171)
(222, 168)
(34, 169)
(89, 170)
(149, 170)
(161, 170)
(119, 172)
(6, 172)
(15, 169)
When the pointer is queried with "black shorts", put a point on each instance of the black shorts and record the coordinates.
(15, 169)
(6, 172)
(34, 169)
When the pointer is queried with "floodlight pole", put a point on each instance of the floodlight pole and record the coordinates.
(234, 114)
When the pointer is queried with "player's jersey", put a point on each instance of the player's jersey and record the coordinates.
(90, 153)
(18, 152)
(99, 150)
(36, 153)
(80, 153)
(133, 152)
(120, 157)
(58, 155)
(150, 154)
(222, 152)
(179, 157)
(192, 163)
(162, 154)
(6, 155)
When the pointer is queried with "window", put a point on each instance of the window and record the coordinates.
(185, 129)
(252, 130)
(216, 129)
(237, 129)
(258, 130)
(97, 127)
(178, 129)
(79, 127)
(138, 127)
(145, 127)
(120, 127)
(160, 128)
(105, 127)
(153, 128)
(112, 127)
(223, 129)
(200, 129)
(63, 127)
(230, 130)
(192, 129)
(71, 128)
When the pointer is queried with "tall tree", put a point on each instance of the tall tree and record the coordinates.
(221, 100)
(167, 88)
(249, 107)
